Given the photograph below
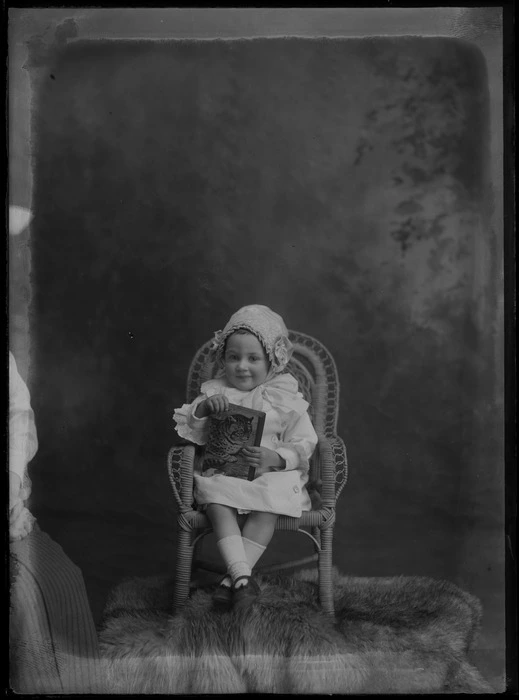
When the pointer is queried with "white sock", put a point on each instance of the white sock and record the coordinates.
(233, 553)
(253, 551)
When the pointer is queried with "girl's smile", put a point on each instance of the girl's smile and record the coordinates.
(246, 363)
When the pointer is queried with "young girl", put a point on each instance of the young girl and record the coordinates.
(251, 352)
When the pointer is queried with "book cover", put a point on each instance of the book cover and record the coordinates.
(229, 433)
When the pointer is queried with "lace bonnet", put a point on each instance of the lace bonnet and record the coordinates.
(267, 326)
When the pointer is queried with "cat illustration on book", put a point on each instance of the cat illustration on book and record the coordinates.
(234, 430)
(228, 434)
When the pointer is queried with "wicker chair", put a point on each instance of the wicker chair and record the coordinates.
(315, 370)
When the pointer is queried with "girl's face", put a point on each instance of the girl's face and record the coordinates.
(246, 363)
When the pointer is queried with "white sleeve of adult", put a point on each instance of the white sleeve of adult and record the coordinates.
(23, 438)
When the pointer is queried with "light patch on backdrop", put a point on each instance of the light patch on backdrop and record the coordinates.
(19, 219)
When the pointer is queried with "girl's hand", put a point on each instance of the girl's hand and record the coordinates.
(212, 405)
(263, 459)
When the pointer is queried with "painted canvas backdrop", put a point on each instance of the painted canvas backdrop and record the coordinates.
(342, 182)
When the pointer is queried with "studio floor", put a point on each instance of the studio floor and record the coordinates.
(148, 552)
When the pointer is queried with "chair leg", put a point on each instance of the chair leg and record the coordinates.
(325, 571)
(183, 573)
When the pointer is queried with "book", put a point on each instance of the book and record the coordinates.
(229, 433)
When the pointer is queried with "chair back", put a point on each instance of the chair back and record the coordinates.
(311, 364)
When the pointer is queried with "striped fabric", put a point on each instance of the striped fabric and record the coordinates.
(52, 636)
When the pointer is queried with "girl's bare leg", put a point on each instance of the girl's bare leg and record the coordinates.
(229, 541)
(257, 533)
(223, 519)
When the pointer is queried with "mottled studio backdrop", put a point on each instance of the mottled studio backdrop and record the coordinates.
(345, 183)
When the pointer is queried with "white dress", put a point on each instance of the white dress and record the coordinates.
(288, 431)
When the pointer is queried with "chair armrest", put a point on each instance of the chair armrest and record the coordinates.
(181, 463)
(334, 468)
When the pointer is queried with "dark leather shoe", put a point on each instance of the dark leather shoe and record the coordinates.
(222, 596)
(244, 596)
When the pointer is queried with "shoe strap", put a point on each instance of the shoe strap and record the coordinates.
(239, 579)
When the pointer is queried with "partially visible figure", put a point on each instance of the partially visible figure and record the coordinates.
(19, 219)
(23, 444)
(52, 637)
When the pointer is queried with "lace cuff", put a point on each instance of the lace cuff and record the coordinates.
(188, 425)
(295, 457)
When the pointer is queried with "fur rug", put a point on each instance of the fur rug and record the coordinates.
(391, 635)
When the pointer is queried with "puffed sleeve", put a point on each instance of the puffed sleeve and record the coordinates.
(298, 443)
(189, 426)
(23, 440)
